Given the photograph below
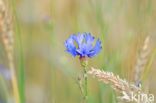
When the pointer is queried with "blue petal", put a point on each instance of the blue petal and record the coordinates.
(70, 47)
(139, 84)
(96, 49)
(84, 50)
(78, 38)
(89, 39)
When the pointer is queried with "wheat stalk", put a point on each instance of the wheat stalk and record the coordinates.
(118, 84)
(7, 39)
(141, 61)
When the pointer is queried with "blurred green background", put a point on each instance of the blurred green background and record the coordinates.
(50, 74)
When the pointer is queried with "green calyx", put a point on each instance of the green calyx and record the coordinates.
(84, 63)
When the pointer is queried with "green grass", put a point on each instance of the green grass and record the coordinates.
(149, 66)
(20, 57)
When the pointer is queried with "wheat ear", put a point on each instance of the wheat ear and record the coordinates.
(116, 82)
(7, 39)
(142, 60)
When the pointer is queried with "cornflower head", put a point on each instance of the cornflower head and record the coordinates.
(82, 45)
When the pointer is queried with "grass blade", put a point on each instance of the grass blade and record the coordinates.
(21, 68)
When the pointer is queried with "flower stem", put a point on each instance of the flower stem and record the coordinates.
(85, 84)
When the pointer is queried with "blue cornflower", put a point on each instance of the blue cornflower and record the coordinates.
(83, 47)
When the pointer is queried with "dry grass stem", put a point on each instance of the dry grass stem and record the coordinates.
(142, 61)
(7, 39)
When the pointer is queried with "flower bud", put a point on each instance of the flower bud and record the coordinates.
(79, 78)
(83, 61)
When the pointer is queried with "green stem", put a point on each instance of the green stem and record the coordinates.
(85, 84)
(21, 68)
(149, 65)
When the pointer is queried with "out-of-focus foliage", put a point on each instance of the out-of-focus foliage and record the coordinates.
(50, 74)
